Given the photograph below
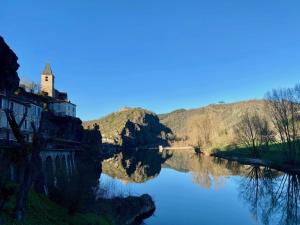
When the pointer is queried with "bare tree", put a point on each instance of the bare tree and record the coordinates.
(266, 134)
(29, 163)
(203, 132)
(29, 85)
(283, 109)
(253, 132)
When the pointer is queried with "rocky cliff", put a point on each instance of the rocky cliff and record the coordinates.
(132, 127)
(63, 128)
(9, 80)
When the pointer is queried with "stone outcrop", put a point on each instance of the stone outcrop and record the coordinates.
(133, 127)
(9, 80)
(127, 211)
(62, 130)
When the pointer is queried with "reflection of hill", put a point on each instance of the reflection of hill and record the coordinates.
(134, 165)
(206, 171)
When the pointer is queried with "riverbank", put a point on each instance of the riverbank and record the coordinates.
(42, 211)
(115, 211)
(131, 210)
(275, 157)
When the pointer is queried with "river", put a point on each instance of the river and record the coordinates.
(192, 190)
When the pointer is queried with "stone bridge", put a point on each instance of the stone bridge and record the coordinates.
(58, 162)
(58, 165)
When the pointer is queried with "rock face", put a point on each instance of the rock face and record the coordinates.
(9, 80)
(64, 128)
(127, 211)
(133, 127)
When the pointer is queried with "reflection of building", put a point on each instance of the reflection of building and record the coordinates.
(30, 104)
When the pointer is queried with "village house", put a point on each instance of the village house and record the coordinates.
(31, 104)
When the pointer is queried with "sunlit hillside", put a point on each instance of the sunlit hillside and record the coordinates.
(211, 126)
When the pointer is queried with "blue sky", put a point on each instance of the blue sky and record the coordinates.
(158, 54)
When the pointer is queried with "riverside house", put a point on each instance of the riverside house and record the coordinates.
(32, 104)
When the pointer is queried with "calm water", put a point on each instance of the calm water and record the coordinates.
(191, 190)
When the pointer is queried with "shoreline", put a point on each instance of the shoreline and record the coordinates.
(285, 167)
(131, 210)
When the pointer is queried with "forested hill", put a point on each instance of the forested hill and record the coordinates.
(211, 126)
(132, 127)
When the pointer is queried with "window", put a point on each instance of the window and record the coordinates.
(46, 78)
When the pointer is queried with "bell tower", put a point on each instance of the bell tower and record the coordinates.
(47, 81)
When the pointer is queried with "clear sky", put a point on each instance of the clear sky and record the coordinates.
(158, 54)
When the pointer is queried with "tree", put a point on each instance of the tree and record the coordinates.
(203, 132)
(29, 86)
(253, 132)
(29, 162)
(283, 107)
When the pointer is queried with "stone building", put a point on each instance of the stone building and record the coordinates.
(47, 82)
(58, 102)
(21, 102)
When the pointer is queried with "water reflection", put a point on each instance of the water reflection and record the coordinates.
(134, 165)
(207, 171)
(273, 197)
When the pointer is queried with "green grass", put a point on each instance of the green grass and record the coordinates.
(276, 153)
(42, 211)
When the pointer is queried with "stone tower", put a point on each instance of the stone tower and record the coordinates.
(47, 81)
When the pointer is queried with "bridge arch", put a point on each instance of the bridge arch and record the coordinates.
(58, 166)
(49, 172)
(64, 169)
(69, 163)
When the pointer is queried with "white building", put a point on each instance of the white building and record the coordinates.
(62, 108)
(19, 107)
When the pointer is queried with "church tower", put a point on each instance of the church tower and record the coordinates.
(47, 81)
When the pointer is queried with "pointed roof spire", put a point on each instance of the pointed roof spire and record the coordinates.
(47, 70)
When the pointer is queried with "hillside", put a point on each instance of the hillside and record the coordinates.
(211, 126)
(132, 127)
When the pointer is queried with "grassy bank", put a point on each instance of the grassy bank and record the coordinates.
(276, 154)
(42, 211)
